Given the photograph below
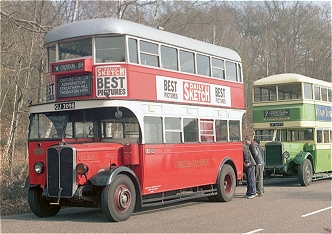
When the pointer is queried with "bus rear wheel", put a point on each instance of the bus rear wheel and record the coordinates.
(305, 173)
(226, 186)
(118, 199)
(39, 205)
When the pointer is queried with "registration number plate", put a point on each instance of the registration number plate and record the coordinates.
(64, 106)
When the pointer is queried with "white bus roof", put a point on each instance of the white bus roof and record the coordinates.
(289, 78)
(109, 26)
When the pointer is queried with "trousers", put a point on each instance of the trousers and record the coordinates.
(259, 179)
(251, 180)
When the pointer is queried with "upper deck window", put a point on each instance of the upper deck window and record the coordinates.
(317, 93)
(51, 56)
(169, 58)
(268, 93)
(75, 49)
(149, 54)
(133, 51)
(203, 65)
(324, 94)
(289, 91)
(307, 89)
(110, 49)
(231, 71)
(187, 62)
(239, 73)
(218, 68)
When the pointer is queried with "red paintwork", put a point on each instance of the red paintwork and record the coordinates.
(37, 153)
(161, 167)
(186, 165)
(141, 83)
(96, 156)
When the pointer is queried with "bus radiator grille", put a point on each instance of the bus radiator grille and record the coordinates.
(60, 172)
(274, 155)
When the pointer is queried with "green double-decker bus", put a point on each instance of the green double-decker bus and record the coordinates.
(292, 119)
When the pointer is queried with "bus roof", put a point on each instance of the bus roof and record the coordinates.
(109, 26)
(289, 78)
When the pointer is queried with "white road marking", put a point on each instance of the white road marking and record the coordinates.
(254, 231)
(317, 211)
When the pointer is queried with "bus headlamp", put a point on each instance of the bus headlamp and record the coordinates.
(38, 167)
(286, 154)
(82, 169)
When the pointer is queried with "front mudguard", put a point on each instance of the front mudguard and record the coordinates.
(106, 177)
(28, 185)
(301, 157)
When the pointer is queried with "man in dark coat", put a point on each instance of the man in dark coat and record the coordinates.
(258, 154)
(249, 165)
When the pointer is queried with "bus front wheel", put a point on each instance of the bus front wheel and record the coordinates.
(305, 173)
(39, 205)
(227, 184)
(118, 199)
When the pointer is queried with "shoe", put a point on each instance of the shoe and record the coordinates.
(252, 196)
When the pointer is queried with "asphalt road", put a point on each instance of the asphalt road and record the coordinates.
(286, 207)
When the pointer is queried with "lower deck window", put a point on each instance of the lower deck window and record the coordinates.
(153, 129)
(190, 130)
(206, 130)
(172, 130)
(234, 130)
(264, 135)
(221, 130)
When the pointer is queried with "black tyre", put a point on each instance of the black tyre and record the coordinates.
(305, 173)
(227, 184)
(39, 205)
(118, 199)
(212, 198)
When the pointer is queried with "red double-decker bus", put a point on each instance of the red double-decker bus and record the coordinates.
(134, 116)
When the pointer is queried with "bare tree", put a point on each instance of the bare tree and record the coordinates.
(23, 26)
(283, 37)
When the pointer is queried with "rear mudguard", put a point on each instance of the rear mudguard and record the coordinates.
(230, 162)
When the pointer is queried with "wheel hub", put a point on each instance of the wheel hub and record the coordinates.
(228, 183)
(124, 199)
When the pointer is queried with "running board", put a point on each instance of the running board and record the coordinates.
(322, 175)
(180, 195)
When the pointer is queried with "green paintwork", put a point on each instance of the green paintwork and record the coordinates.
(322, 159)
(297, 112)
(298, 152)
(301, 157)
